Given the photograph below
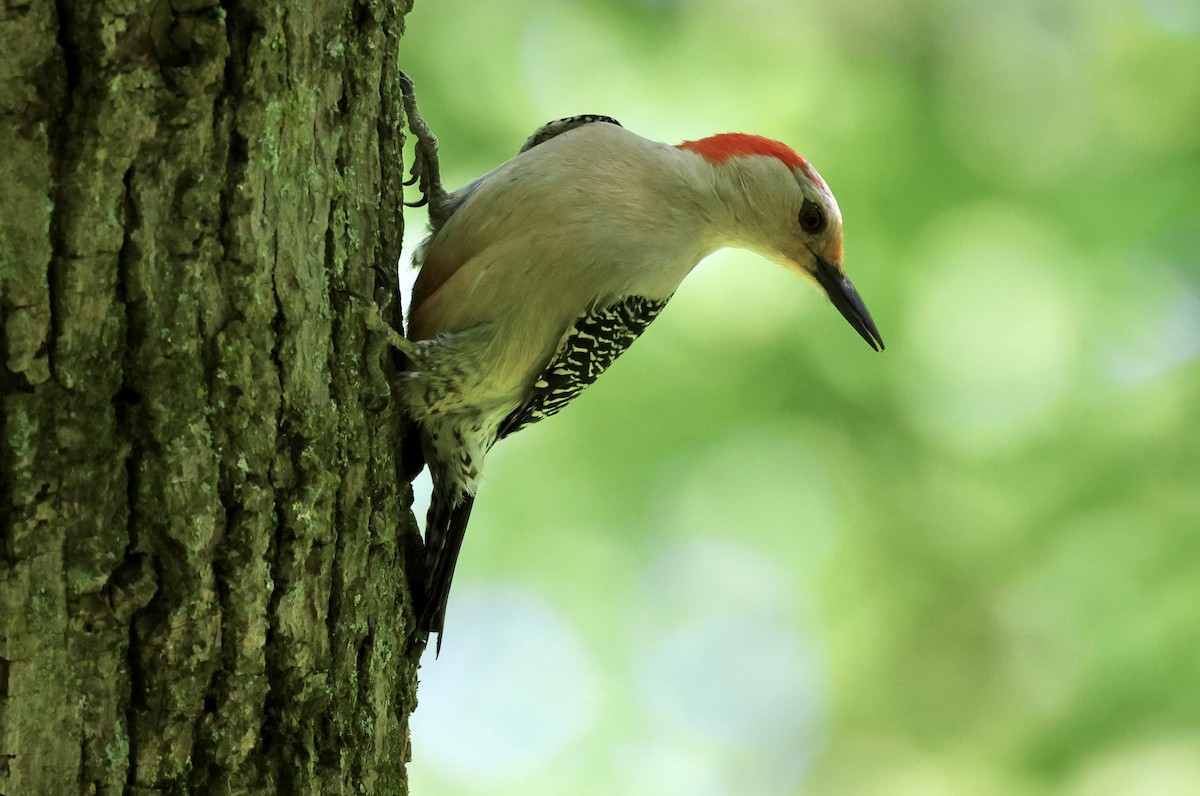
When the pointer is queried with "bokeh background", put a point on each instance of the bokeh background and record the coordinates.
(759, 558)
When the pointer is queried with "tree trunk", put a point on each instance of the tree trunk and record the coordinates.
(204, 530)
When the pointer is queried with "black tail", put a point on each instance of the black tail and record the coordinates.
(445, 527)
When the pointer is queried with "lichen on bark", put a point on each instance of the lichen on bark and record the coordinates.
(205, 532)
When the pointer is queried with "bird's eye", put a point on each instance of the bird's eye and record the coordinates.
(812, 219)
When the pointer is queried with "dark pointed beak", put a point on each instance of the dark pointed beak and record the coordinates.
(843, 295)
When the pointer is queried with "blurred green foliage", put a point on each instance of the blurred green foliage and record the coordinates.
(758, 558)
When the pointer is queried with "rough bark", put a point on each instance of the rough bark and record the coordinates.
(204, 531)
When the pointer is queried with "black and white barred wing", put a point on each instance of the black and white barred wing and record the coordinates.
(560, 126)
(594, 343)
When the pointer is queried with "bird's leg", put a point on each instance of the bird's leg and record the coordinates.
(385, 301)
(426, 171)
(383, 334)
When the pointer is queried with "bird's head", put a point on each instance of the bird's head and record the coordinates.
(780, 207)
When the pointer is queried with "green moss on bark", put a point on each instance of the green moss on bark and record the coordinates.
(202, 568)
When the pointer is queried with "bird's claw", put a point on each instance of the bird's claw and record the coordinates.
(426, 170)
(375, 321)
(383, 334)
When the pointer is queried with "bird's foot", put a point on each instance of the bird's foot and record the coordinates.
(383, 334)
(426, 170)
(380, 309)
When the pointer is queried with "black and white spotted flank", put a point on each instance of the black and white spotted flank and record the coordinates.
(595, 341)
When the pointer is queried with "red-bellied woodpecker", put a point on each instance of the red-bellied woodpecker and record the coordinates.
(540, 273)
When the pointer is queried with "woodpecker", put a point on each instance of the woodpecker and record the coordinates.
(540, 273)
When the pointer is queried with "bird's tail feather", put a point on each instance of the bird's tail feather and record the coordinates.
(445, 527)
